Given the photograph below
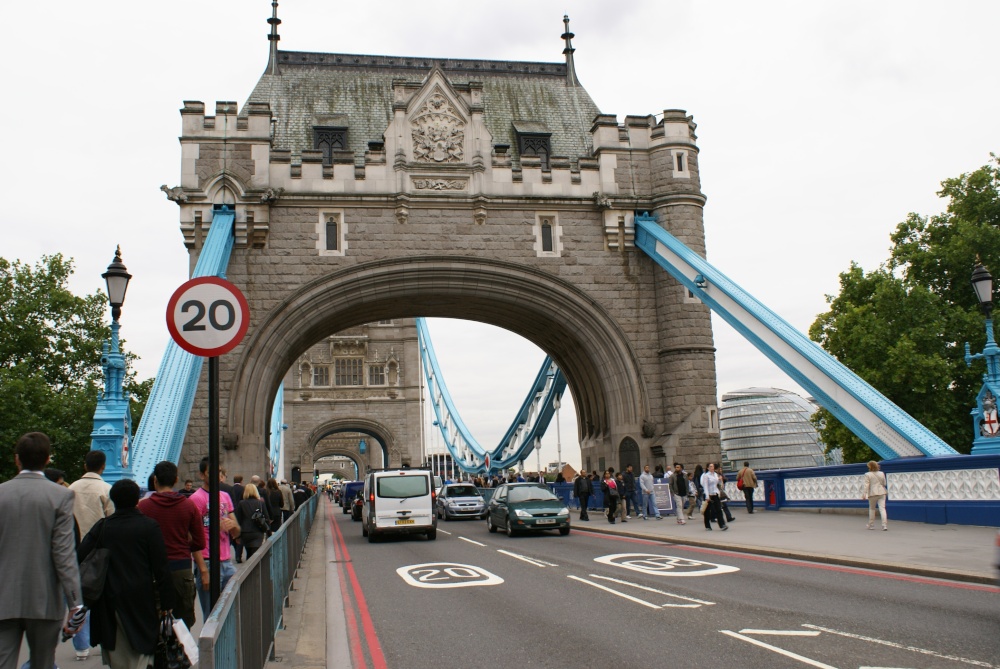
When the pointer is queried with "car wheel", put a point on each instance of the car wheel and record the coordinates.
(438, 514)
(371, 537)
(432, 534)
(563, 531)
(510, 528)
(489, 523)
(447, 518)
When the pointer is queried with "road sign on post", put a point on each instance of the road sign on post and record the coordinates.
(209, 316)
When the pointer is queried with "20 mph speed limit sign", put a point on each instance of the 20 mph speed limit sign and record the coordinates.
(208, 316)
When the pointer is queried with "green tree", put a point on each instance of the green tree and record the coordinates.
(903, 326)
(50, 361)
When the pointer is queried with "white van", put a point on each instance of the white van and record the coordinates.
(399, 501)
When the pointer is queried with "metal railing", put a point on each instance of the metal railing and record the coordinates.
(240, 630)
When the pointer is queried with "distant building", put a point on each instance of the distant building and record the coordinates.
(770, 429)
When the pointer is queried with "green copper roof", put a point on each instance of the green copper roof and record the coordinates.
(311, 86)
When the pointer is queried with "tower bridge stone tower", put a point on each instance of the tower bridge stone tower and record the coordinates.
(370, 188)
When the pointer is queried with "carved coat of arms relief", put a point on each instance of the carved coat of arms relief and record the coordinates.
(438, 132)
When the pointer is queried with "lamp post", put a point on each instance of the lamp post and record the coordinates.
(985, 421)
(556, 404)
(113, 417)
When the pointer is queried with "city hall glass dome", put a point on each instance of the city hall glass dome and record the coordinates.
(770, 429)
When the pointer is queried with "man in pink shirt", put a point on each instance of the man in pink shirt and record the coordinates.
(228, 527)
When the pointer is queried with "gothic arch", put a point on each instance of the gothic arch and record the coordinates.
(585, 341)
(380, 434)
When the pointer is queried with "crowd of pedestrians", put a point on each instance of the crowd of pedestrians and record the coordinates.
(702, 491)
(157, 546)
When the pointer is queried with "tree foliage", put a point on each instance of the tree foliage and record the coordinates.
(903, 326)
(50, 361)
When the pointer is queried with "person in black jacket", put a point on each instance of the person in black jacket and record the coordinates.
(274, 502)
(583, 489)
(125, 621)
(251, 536)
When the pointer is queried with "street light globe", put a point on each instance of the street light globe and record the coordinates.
(116, 278)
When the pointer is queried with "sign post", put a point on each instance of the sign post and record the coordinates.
(209, 316)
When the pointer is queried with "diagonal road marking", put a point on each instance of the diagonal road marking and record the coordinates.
(471, 541)
(893, 644)
(696, 602)
(780, 651)
(780, 632)
(615, 592)
(525, 558)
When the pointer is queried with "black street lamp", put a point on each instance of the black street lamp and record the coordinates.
(982, 283)
(117, 278)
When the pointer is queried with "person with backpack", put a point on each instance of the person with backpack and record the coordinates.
(251, 514)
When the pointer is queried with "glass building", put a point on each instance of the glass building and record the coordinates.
(770, 429)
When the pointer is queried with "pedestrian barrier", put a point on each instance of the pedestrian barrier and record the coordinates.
(240, 630)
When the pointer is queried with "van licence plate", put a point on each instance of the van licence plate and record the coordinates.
(405, 521)
(546, 521)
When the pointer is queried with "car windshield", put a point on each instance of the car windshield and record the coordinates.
(531, 494)
(403, 486)
(463, 491)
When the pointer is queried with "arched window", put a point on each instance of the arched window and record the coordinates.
(628, 454)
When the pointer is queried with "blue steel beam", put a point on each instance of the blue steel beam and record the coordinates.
(164, 422)
(887, 429)
(530, 422)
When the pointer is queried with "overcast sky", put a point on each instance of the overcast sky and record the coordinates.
(821, 125)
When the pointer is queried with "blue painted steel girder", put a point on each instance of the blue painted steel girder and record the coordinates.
(883, 426)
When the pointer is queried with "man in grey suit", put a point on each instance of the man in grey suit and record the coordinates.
(37, 557)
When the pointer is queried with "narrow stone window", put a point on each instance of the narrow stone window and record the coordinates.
(376, 375)
(328, 140)
(548, 235)
(680, 162)
(349, 372)
(321, 376)
(331, 233)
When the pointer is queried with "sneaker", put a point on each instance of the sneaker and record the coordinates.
(628, 517)
(642, 516)
(885, 529)
(659, 517)
(708, 529)
(83, 654)
(726, 527)
(869, 526)
(624, 521)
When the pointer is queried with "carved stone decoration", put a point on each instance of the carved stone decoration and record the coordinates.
(271, 195)
(402, 213)
(440, 184)
(175, 194)
(438, 133)
(479, 215)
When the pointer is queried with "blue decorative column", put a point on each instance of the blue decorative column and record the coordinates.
(985, 421)
(113, 416)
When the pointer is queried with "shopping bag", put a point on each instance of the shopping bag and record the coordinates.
(187, 640)
(169, 654)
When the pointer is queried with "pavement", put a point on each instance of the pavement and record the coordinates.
(314, 636)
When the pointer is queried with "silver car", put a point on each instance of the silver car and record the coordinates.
(460, 500)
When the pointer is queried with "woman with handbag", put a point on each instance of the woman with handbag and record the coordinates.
(125, 619)
(710, 484)
(252, 531)
(611, 495)
(875, 491)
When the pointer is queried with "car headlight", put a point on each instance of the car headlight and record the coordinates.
(564, 511)
(521, 513)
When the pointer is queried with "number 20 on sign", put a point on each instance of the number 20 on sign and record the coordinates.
(208, 316)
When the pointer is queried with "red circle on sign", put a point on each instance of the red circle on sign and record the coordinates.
(487, 459)
(199, 331)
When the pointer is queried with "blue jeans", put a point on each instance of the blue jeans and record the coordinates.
(649, 505)
(81, 640)
(226, 572)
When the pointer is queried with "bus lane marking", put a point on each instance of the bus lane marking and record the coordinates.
(893, 644)
(695, 603)
(529, 560)
(779, 651)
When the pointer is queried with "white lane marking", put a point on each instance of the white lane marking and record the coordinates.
(471, 541)
(885, 668)
(893, 644)
(696, 602)
(664, 565)
(525, 558)
(780, 632)
(447, 575)
(615, 592)
(445, 532)
(780, 651)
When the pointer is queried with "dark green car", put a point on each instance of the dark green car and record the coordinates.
(526, 507)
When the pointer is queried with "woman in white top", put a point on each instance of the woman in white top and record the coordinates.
(710, 483)
(875, 492)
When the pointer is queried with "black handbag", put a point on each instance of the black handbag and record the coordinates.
(169, 652)
(94, 570)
